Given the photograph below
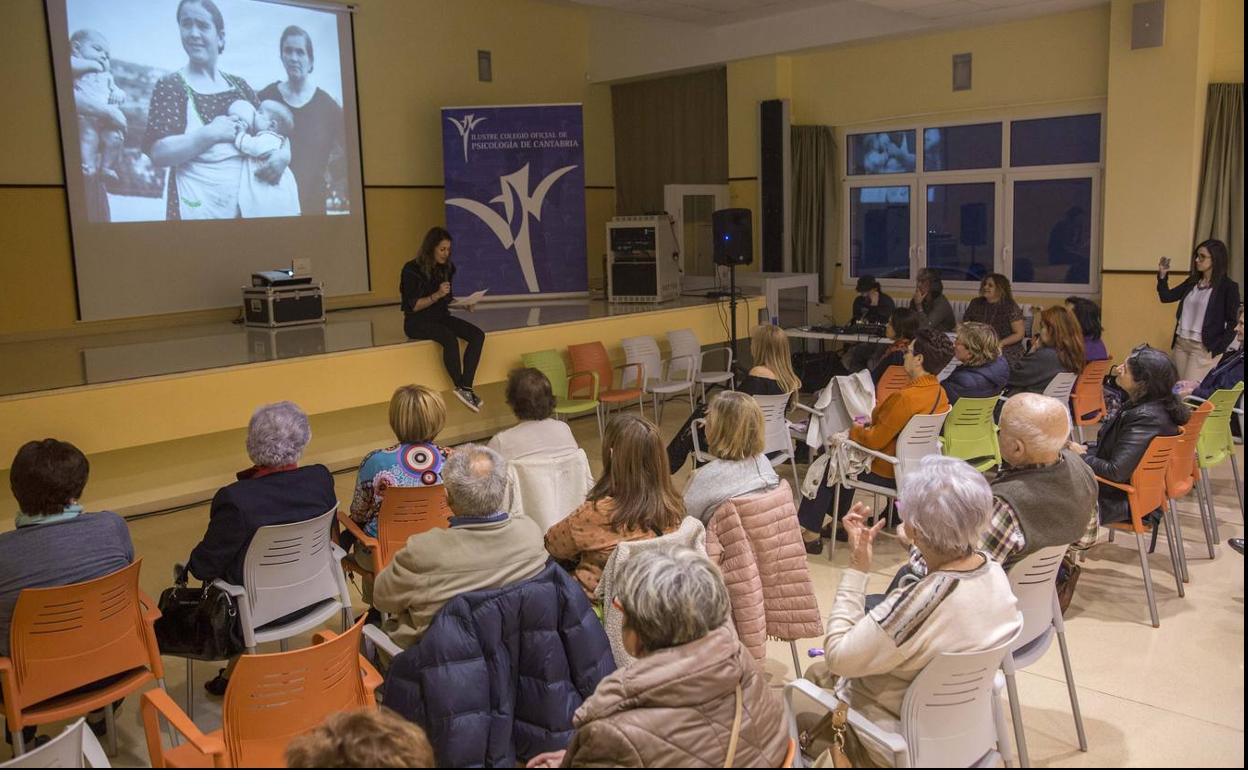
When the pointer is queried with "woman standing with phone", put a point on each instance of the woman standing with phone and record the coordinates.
(1208, 309)
(425, 288)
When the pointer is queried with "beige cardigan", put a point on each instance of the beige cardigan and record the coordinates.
(436, 566)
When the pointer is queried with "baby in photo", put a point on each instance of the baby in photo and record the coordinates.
(101, 123)
(264, 129)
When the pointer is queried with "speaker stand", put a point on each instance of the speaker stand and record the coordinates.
(732, 313)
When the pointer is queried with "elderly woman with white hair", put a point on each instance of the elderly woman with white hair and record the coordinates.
(694, 697)
(963, 604)
(275, 490)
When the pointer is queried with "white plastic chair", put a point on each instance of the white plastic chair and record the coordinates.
(657, 377)
(827, 420)
(920, 438)
(547, 489)
(685, 343)
(777, 440)
(950, 717)
(1034, 581)
(76, 746)
(288, 567)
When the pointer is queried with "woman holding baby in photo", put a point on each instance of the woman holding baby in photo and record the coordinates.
(227, 152)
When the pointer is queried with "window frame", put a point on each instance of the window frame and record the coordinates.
(864, 181)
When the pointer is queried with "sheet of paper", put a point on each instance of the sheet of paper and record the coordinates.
(471, 299)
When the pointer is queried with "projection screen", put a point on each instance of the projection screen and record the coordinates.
(205, 140)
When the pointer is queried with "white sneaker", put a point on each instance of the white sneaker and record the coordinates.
(468, 398)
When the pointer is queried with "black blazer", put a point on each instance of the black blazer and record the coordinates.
(248, 504)
(1120, 446)
(1220, 318)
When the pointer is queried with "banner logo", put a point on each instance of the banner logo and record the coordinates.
(465, 127)
(516, 200)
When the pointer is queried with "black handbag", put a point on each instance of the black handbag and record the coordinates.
(199, 623)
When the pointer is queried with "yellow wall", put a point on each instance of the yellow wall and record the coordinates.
(413, 57)
(1228, 54)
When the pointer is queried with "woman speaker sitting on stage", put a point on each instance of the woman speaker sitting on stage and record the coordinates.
(425, 287)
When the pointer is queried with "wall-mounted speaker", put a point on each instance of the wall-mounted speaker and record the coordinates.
(734, 237)
(1148, 24)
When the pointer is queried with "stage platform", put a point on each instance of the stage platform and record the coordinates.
(162, 414)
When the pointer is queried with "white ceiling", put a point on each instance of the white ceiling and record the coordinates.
(942, 12)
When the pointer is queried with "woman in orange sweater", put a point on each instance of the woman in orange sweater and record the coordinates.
(926, 355)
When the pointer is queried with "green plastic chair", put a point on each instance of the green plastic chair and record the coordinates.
(550, 363)
(1216, 443)
(971, 435)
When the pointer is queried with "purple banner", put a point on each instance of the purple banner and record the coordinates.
(515, 198)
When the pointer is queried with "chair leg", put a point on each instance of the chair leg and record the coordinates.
(1004, 747)
(1239, 484)
(797, 661)
(1180, 548)
(797, 485)
(19, 745)
(1111, 534)
(1070, 687)
(1016, 712)
(1213, 509)
(1174, 556)
(1148, 580)
(836, 506)
(110, 727)
(190, 689)
(1204, 517)
(283, 645)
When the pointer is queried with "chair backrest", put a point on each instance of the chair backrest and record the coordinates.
(289, 567)
(893, 380)
(76, 746)
(1061, 386)
(549, 363)
(776, 436)
(550, 488)
(407, 511)
(644, 351)
(1149, 479)
(1034, 581)
(1216, 441)
(64, 637)
(920, 438)
(947, 714)
(273, 698)
(684, 342)
(970, 433)
(1179, 476)
(591, 357)
(959, 308)
(1088, 396)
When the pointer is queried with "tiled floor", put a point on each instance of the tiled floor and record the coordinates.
(1172, 696)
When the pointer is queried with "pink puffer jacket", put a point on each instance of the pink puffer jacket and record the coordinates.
(756, 543)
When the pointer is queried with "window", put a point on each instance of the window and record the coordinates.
(1052, 238)
(961, 229)
(954, 148)
(1056, 141)
(1016, 196)
(879, 231)
(888, 152)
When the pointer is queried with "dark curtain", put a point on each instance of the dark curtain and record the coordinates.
(812, 148)
(671, 130)
(1220, 207)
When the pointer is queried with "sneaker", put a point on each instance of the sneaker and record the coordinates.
(468, 398)
(1237, 545)
(814, 547)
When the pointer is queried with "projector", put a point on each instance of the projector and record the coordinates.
(280, 277)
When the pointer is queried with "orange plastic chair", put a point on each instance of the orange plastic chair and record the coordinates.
(592, 357)
(1147, 493)
(270, 700)
(1183, 476)
(67, 637)
(893, 380)
(405, 511)
(1087, 401)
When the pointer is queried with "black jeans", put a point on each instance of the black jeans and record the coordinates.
(811, 512)
(447, 332)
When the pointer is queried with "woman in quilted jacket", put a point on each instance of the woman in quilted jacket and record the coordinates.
(693, 687)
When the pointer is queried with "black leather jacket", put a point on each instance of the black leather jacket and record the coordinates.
(1120, 446)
